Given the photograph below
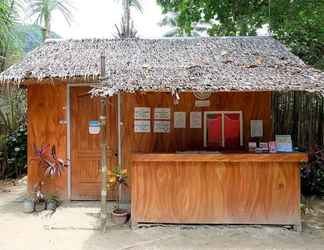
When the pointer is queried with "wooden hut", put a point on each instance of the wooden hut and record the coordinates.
(179, 119)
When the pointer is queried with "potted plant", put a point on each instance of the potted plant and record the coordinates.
(29, 204)
(52, 202)
(117, 179)
(36, 200)
(52, 167)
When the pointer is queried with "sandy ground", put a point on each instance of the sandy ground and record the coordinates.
(75, 226)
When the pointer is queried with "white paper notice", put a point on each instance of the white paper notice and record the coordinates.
(195, 120)
(142, 113)
(161, 126)
(142, 126)
(256, 128)
(179, 119)
(162, 113)
(202, 103)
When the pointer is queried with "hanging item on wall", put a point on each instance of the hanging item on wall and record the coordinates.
(179, 119)
(195, 120)
(94, 127)
(141, 126)
(161, 126)
(142, 113)
(256, 128)
(202, 95)
(162, 114)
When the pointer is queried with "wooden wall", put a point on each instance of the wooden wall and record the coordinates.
(254, 105)
(244, 189)
(46, 108)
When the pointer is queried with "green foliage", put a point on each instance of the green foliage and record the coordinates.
(12, 108)
(16, 152)
(170, 20)
(8, 18)
(13, 129)
(299, 23)
(43, 11)
(312, 173)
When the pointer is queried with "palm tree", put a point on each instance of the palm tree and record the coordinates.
(170, 20)
(126, 29)
(43, 10)
(8, 18)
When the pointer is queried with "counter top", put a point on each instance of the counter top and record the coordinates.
(221, 157)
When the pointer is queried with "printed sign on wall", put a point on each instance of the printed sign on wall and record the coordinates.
(256, 128)
(162, 126)
(202, 103)
(142, 113)
(195, 120)
(141, 126)
(162, 113)
(94, 127)
(179, 119)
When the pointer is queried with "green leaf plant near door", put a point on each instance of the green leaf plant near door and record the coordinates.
(117, 178)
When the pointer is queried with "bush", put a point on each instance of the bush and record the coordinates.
(16, 143)
(312, 173)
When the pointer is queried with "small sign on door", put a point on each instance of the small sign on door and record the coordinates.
(94, 127)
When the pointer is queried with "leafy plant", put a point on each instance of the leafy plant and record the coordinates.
(16, 143)
(12, 108)
(48, 160)
(299, 23)
(312, 173)
(126, 28)
(117, 178)
(54, 199)
(43, 10)
(9, 16)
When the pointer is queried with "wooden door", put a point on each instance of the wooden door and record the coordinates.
(85, 147)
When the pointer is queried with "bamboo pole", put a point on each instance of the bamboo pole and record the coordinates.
(103, 144)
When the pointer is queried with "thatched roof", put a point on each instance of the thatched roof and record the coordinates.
(201, 64)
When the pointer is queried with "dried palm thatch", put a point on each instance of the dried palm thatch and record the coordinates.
(199, 64)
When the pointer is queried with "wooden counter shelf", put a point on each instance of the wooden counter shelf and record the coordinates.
(222, 157)
(216, 188)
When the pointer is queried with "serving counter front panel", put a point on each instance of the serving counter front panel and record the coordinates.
(216, 188)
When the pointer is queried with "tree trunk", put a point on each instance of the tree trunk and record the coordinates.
(104, 147)
(47, 28)
(127, 17)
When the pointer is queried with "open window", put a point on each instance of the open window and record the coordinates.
(223, 130)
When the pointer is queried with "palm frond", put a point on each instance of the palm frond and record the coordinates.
(42, 10)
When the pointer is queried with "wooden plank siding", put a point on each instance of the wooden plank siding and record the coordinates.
(254, 105)
(216, 189)
(46, 108)
(47, 103)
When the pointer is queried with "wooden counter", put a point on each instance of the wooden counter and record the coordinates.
(216, 188)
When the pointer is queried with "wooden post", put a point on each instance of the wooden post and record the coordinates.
(103, 144)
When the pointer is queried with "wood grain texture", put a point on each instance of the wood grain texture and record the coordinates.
(215, 192)
(254, 105)
(210, 157)
(46, 108)
(86, 147)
